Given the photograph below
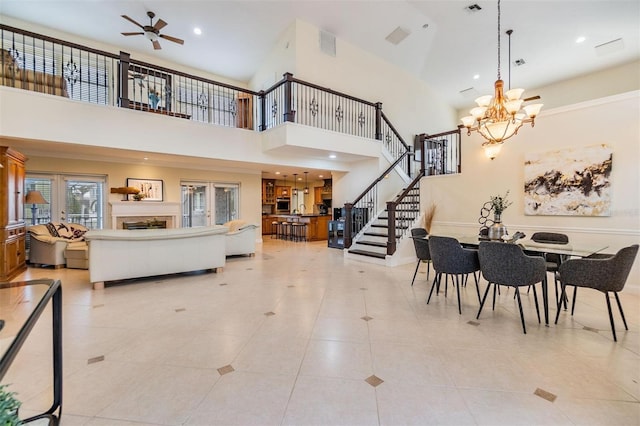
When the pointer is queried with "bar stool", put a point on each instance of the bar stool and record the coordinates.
(274, 229)
(295, 231)
(283, 227)
(300, 231)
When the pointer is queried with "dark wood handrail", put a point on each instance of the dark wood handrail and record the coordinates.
(409, 187)
(379, 178)
(186, 75)
(58, 41)
(393, 129)
(333, 92)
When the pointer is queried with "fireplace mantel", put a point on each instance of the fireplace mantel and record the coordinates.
(145, 209)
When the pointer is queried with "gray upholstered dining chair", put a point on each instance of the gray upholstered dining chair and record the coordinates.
(450, 258)
(506, 264)
(553, 260)
(605, 274)
(421, 245)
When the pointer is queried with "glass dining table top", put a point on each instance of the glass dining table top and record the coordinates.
(18, 302)
(570, 249)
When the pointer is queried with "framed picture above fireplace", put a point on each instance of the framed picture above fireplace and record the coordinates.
(152, 189)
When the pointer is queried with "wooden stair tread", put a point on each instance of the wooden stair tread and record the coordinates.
(368, 253)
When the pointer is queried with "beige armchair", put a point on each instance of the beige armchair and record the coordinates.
(48, 242)
(241, 238)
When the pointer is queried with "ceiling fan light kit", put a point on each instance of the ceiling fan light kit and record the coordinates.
(498, 117)
(152, 31)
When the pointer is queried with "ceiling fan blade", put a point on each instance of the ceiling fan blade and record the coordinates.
(532, 98)
(156, 45)
(132, 21)
(159, 25)
(130, 34)
(173, 39)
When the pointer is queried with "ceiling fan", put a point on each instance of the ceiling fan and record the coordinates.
(151, 31)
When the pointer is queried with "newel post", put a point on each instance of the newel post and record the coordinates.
(418, 146)
(348, 224)
(391, 219)
(289, 114)
(379, 121)
(263, 112)
(123, 81)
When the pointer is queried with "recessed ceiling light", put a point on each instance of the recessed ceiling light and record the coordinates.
(145, 158)
(580, 39)
(320, 176)
(477, 76)
(332, 156)
(277, 173)
(197, 31)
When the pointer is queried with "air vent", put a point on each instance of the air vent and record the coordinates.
(327, 43)
(397, 35)
(609, 47)
(470, 93)
(474, 7)
(519, 62)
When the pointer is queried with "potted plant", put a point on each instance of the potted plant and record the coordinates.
(8, 408)
(499, 204)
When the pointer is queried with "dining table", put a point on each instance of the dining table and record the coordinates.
(530, 247)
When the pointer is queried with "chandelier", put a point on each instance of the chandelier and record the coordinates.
(499, 117)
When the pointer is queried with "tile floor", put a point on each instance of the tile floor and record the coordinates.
(299, 336)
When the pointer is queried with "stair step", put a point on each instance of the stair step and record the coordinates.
(386, 226)
(368, 253)
(372, 243)
(378, 234)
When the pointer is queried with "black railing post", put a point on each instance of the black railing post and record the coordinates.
(391, 226)
(123, 81)
(289, 114)
(348, 224)
(379, 121)
(423, 154)
(263, 113)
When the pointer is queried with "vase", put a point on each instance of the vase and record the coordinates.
(497, 230)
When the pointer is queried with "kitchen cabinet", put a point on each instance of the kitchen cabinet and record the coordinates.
(12, 225)
(283, 191)
(268, 191)
(266, 225)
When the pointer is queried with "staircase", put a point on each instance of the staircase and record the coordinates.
(373, 240)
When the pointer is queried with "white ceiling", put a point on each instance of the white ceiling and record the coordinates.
(456, 44)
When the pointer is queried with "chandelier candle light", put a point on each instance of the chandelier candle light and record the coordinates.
(499, 117)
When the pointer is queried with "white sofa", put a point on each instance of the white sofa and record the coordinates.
(117, 254)
(49, 241)
(241, 238)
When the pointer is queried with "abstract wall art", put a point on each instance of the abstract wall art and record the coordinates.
(569, 182)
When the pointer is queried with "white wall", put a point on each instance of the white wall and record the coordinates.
(117, 174)
(614, 121)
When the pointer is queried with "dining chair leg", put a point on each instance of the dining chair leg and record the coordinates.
(458, 291)
(428, 268)
(446, 284)
(613, 326)
(435, 280)
(494, 296)
(521, 313)
(621, 312)
(535, 298)
(416, 273)
(573, 303)
(483, 299)
(477, 286)
(563, 292)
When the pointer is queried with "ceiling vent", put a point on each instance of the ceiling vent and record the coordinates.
(397, 35)
(609, 47)
(519, 62)
(327, 43)
(473, 7)
(470, 93)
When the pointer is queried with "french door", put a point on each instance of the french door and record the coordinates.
(70, 198)
(209, 203)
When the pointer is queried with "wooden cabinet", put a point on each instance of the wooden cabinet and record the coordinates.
(283, 191)
(12, 225)
(268, 191)
(266, 225)
(317, 195)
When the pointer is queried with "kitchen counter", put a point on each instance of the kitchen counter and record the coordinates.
(317, 224)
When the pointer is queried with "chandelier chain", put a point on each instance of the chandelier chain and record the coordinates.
(499, 40)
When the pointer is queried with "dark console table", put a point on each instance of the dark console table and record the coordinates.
(21, 304)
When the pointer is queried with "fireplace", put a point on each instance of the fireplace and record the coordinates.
(145, 224)
(144, 211)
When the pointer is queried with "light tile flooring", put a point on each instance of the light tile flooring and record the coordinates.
(299, 336)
